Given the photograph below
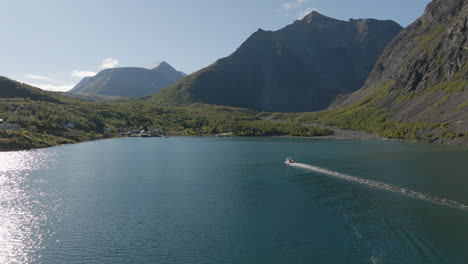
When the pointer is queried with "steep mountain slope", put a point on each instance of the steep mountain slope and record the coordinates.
(301, 67)
(129, 82)
(419, 87)
(423, 73)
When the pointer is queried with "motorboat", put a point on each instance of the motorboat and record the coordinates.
(289, 161)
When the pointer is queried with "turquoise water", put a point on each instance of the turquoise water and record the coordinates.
(233, 200)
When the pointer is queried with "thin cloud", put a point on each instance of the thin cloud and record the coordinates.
(63, 87)
(51, 87)
(38, 77)
(293, 4)
(83, 74)
(105, 64)
(287, 6)
(109, 63)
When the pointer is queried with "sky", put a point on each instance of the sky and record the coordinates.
(53, 44)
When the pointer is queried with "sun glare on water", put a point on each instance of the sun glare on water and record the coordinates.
(25, 206)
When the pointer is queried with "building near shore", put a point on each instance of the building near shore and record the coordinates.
(10, 126)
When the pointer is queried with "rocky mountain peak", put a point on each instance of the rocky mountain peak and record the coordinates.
(129, 81)
(301, 67)
(440, 10)
(422, 75)
(164, 64)
(316, 18)
(157, 64)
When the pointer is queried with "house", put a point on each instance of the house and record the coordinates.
(9, 126)
(135, 131)
(1, 120)
(157, 132)
(143, 133)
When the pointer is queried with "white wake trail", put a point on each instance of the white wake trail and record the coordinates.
(384, 186)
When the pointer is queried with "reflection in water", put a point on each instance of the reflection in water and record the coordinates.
(25, 206)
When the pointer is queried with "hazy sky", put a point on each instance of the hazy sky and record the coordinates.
(54, 43)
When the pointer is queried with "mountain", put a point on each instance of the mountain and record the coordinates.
(130, 81)
(421, 77)
(13, 89)
(301, 67)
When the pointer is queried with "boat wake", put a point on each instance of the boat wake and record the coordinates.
(384, 186)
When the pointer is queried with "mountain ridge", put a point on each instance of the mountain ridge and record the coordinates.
(419, 85)
(14, 89)
(301, 67)
(129, 81)
(437, 54)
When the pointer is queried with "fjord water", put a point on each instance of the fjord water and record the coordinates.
(233, 200)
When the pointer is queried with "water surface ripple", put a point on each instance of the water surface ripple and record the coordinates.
(384, 186)
(233, 200)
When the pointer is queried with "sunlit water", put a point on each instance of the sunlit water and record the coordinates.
(233, 200)
(28, 205)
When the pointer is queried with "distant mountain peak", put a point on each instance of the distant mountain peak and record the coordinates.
(301, 67)
(314, 13)
(129, 81)
(315, 17)
(153, 66)
(156, 65)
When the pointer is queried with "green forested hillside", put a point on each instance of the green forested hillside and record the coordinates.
(48, 119)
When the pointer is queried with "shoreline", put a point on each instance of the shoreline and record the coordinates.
(339, 134)
(343, 134)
